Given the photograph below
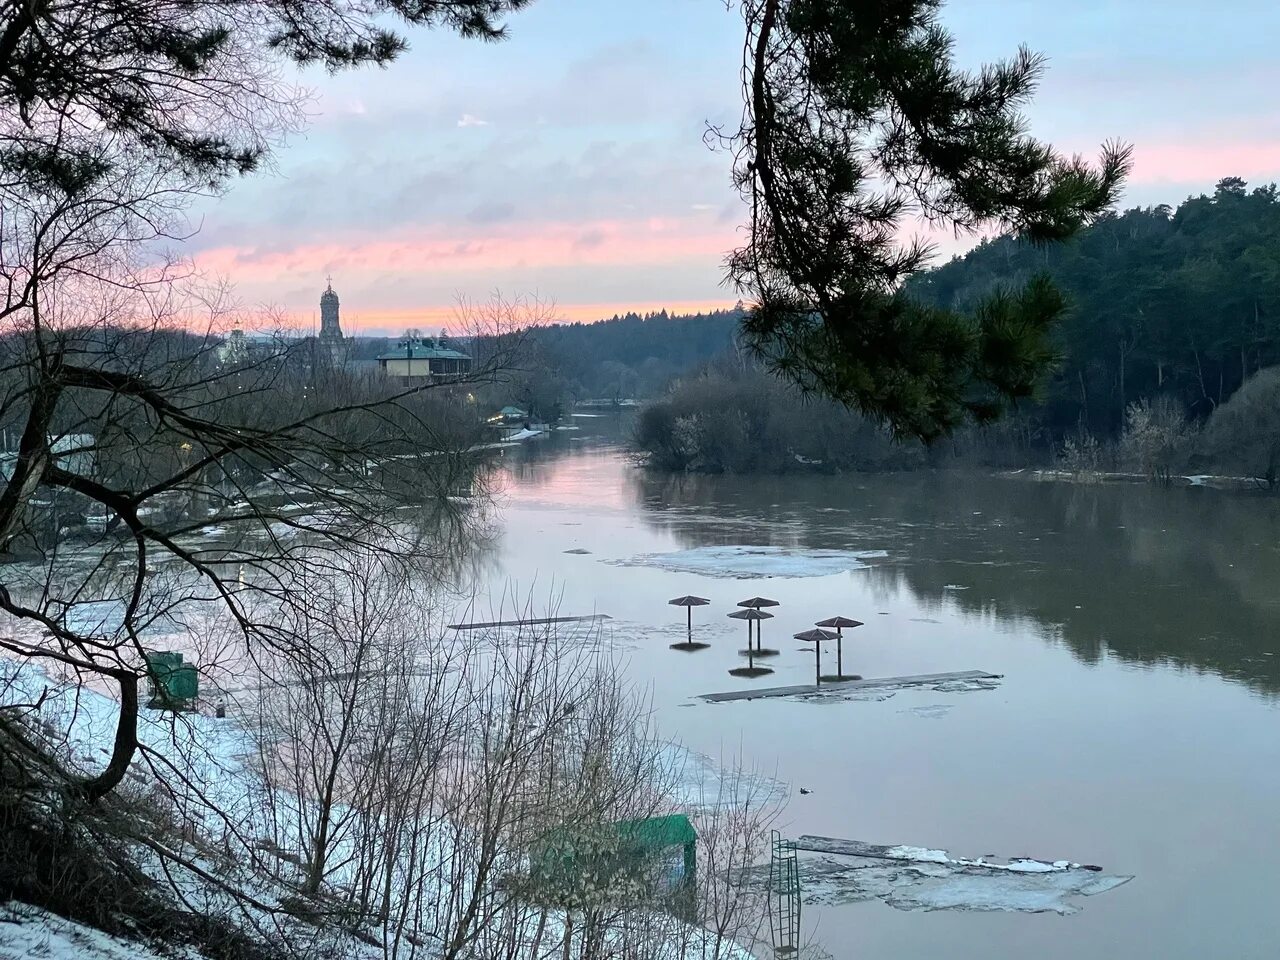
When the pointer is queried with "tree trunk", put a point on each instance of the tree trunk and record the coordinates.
(1122, 381)
(126, 743)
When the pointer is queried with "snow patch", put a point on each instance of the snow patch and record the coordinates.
(27, 931)
(703, 784)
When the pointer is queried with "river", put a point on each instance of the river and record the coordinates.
(1137, 630)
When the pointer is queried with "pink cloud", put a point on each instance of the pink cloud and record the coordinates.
(390, 275)
(447, 252)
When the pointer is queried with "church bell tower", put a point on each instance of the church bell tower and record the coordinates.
(330, 329)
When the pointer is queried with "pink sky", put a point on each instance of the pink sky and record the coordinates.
(569, 165)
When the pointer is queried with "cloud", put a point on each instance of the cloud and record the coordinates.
(491, 212)
(469, 120)
(446, 249)
(589, 240)
(425, 267)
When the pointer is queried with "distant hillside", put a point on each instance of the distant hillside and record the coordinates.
(1183, 303)
(634, 355)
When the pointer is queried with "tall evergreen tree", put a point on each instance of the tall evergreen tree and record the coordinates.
(855, 117)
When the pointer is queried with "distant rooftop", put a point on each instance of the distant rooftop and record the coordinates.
(418, 349)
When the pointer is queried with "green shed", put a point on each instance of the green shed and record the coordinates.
(620, 861)
(174, 685)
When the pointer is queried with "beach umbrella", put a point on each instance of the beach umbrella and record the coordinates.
(755, 603)
(689, 603)
(839, 623)
(749, 615)
(816, 637)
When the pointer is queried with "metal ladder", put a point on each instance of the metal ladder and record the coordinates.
(784, 897)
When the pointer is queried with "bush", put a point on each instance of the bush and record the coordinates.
(1155, 438)
(1244, 433)
(739, 419)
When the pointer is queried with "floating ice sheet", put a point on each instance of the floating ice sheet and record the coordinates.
(919, 878)
(703, 783)
(743, 562)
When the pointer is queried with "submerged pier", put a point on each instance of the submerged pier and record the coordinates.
(530, 622)
(806, 689)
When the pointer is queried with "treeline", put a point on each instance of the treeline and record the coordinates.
(1180, 303)
(733, 417)
(633, 355)
(1169, 360)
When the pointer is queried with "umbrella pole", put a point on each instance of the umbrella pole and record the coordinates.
(689, 610)
(839, 653)
(817, 654)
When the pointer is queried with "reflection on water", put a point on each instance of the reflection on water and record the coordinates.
(1187, 576)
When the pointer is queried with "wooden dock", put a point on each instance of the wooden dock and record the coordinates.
(849, 848)
(808, 689)
(532, 622)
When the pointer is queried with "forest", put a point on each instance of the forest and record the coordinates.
(1179, 302)
(632, 355)
(1170, 312)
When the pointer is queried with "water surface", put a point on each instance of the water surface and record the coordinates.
(1137, 725)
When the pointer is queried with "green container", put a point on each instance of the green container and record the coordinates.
(174, 684)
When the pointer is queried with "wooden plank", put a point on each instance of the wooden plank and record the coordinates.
(809, 688)
(526, 623)
(845, 848)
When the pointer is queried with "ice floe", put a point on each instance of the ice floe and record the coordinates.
(931, 711)
(921, 878)
(703, 783)
(739, 561)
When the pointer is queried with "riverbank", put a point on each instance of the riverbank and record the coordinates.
(1210, 481)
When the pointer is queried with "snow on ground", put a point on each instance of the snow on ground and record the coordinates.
(739, 561)
(211, 755)
(29, 933)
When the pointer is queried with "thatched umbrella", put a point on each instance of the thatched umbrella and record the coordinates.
(816, 637)
(689, 603)
(749, 615)
(839, 623)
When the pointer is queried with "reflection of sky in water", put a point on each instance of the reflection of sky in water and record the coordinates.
(1137, 630)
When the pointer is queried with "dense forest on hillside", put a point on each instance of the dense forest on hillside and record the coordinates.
(1170, 312)
(1183, 303)
(632, 355)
